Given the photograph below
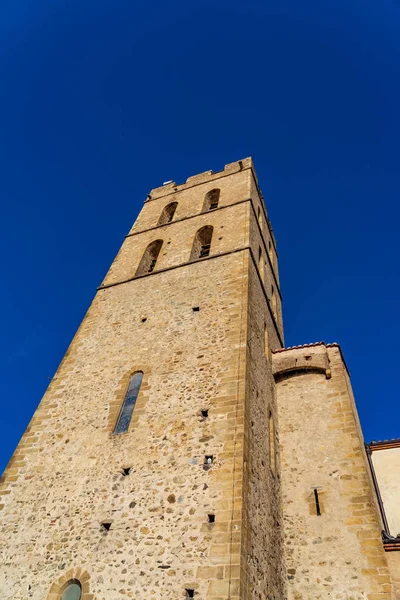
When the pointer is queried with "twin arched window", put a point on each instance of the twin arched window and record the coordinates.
(167, 214)
(211, 200)
(202, 243)
(128, 405)
(200, 249)
(149, 258)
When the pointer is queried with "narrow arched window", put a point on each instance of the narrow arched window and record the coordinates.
(211, 200)
(202, 242)
(167, 214)
(149, 258)
(274, 303)
(271, 252)
(129, 402)
(72, 591)
(261, 263)
(272, 449)
(259, 216)
(266, 342)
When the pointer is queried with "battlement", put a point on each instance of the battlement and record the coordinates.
(171, 187)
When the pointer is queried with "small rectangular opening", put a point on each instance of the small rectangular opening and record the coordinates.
(317, 506)
(204, 413)
(211, 518)
(189, 593)
(126, 471)
(204, 250)
(106, 525)
(208, 462)
(195, 308)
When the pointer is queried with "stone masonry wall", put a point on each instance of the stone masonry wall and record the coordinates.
(66, 477)
(338, 554)
(393, 559)
(262, 498)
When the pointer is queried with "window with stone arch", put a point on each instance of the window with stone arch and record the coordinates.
(266, 342)
(261, 264)
(271, 252)
(274, 302)
(149, 258)
(202, 242)
(167, 213)
(128, 405)
(259, 216)
(211, 200)
(72, 585)
(272, 447)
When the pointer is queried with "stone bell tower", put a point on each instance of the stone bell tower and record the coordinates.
(150, 469)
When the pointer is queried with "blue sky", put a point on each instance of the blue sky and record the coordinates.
(101, 101)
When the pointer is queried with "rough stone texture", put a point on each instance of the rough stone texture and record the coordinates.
(338, 554)
(65, 478)
(393, 559)
(262, 518)
(70, 473)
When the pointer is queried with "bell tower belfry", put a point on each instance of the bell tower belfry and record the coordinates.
(151, 467)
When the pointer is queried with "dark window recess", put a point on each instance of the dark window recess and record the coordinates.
(149, 258)
(152, 265)
(196, 308)
(317, 506)
(144, 319)
(167, 214)
(126, 471)
(204, 250)
(211, 518)
(204, 413)
(208, 462)
(308, 357)
(202, 243)
(106, 525)
(189, 593)
(128, 405)
(211, 200)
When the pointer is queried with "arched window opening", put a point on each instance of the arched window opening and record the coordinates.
(167, 214)
(211, 200)
(271, 252)
(73, 591)
(202, 243)
(261, 263)
(274, 303)
(129, 402)
(272, 449)
(266, 342)
(149, 258)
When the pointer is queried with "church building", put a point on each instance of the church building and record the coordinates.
(181, 450)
